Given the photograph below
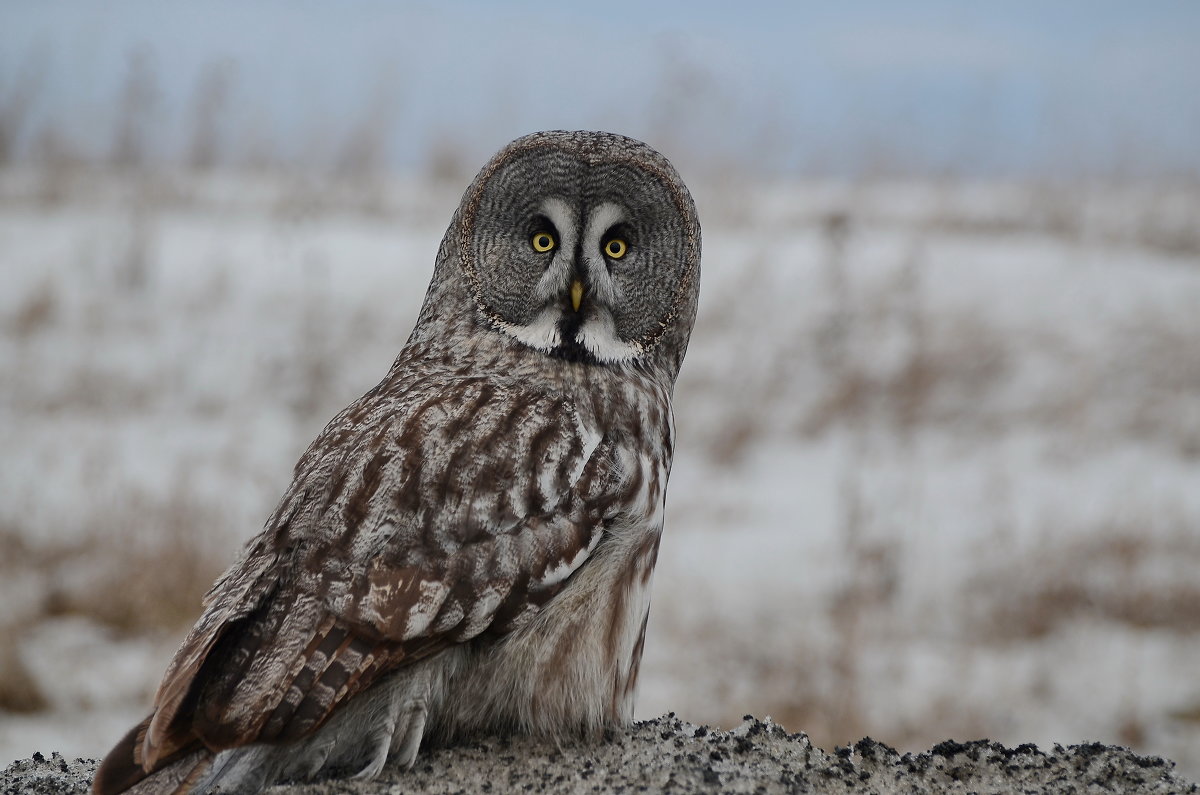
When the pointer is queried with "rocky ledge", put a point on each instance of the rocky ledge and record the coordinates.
(672, 756)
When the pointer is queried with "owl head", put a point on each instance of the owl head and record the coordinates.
(583, 246)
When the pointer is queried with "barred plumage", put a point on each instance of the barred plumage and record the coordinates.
(469, 546)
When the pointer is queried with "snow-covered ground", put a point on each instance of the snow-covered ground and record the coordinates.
(938, 467)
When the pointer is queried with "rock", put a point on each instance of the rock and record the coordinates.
(53, 776)
(672, 756)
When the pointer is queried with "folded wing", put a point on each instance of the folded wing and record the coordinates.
(420, 518)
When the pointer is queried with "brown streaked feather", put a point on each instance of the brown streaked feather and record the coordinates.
(256, 668)
(306, 669)
(313, 700)
(232, 598)
(336, 666)
(304, 621)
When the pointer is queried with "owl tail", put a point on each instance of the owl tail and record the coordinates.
(122, 771)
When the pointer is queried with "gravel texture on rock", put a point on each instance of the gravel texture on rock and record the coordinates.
(670, 755)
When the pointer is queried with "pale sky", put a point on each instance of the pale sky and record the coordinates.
(999, 87)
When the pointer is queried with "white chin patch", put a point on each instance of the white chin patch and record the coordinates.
(598, 336)
(541, 333)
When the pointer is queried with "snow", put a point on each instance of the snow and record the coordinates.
(915, 420)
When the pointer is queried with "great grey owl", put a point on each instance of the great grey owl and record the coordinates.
(469, 546)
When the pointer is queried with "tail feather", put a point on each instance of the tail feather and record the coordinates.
(122, 771)
(122, 768)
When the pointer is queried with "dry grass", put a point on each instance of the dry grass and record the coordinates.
(815, 666)
(19, 691)
(944, 366)
(950, 361)
(1120, 574)
(36, 313)
(944, 378)
(139, 580)
(140, 570)
(1156, 364)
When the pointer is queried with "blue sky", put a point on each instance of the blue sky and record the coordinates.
(1024, 86)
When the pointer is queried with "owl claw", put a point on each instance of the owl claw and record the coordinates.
(406, 742)
(377, 761)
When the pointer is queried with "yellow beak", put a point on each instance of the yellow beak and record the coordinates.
(576, 294)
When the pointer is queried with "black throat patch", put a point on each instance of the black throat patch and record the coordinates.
(569, 348)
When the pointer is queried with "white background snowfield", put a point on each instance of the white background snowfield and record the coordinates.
(938, 464)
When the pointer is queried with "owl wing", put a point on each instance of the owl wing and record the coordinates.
(414, 522)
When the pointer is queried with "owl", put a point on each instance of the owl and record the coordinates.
(468, 548)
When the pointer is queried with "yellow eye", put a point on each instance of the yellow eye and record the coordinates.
(542, 241)
(616, 248)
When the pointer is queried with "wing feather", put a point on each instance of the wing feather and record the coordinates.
(397, 538)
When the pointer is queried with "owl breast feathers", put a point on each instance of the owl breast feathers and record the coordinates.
(469, 546)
